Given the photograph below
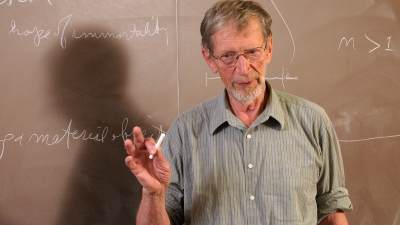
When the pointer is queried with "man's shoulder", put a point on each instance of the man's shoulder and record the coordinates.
(199, 115)
(298, 105)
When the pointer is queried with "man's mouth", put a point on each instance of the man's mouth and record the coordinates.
(244, 84)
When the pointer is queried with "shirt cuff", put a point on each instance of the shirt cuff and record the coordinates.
(336, 200)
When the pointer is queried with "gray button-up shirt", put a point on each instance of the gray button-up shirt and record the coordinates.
(284, 169)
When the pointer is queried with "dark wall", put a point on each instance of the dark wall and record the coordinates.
(77, 75)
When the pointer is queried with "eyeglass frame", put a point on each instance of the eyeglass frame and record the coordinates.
(238, 54)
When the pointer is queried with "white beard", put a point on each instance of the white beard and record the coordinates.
(248, 97)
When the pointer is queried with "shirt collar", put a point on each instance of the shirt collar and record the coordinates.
(221, 116)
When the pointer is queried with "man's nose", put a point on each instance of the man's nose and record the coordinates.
(242, 64)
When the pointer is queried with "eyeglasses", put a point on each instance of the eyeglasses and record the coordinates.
(253, 55)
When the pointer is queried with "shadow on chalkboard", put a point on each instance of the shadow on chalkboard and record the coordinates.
(88, 81)
(4, 220)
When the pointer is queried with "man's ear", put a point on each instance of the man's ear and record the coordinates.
(208, 58)
(269, 49)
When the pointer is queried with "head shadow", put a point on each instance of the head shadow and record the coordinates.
(88, 84)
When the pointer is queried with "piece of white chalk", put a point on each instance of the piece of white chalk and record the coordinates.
(158, 144)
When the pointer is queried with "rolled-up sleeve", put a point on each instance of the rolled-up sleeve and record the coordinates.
(332, 194)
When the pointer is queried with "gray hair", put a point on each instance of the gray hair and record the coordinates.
(236, 11)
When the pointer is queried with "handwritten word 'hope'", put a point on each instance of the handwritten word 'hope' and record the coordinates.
(10, 2)
(41, 34)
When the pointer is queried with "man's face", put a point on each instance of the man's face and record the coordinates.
(244, 79)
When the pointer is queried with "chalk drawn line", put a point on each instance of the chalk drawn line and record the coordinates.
(289, 30)
(177, 55)
(369, 139)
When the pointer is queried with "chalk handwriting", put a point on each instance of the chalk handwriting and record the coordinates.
(151, 28)
(84, 135)
(388, 44)
(346, 42)
(65, 137)
(9, 137)
(124, 134)
(61, 28)
(377, 45)
(11, 2)
(38, 34)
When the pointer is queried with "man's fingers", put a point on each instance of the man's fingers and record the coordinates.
(150, 146)
(140, 146)
(129, 147)
(130, 163)
(138, 138)
(148, 172)
(133, 166)
(131, 150)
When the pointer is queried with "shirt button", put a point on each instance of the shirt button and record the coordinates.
(248, 136)
(252, 197)
(250, 166)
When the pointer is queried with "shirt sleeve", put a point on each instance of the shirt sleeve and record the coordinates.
(172, 149)
(332, 194)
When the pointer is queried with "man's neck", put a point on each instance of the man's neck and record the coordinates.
(249, 111)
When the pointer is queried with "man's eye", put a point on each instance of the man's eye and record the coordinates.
(253, 51)
(228, 55)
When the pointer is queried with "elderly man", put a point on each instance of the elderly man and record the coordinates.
(252, 155)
